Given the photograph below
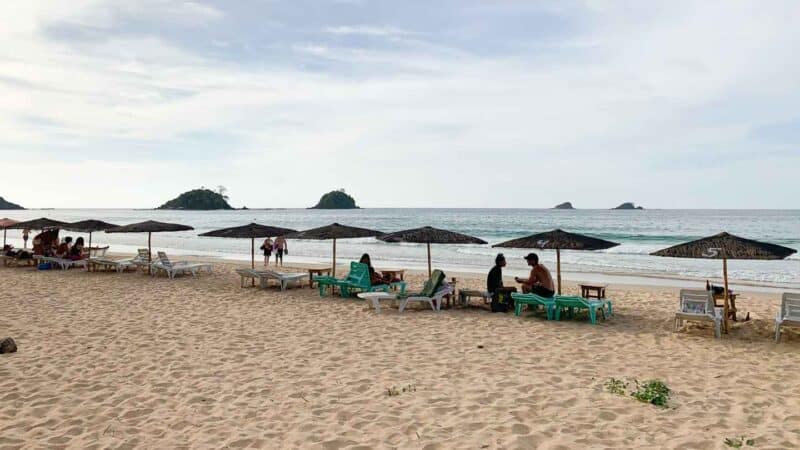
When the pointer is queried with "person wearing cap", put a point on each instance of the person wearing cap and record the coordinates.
(540, 282)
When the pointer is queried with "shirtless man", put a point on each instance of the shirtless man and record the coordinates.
(540, 282)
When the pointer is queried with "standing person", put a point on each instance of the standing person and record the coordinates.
(540, 281)
(25, 233)
(501, 298)
(267, 247)
(281, 248)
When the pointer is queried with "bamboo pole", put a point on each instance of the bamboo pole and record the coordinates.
(149, 253)
(252, 258)
(429, 260)
(333, 269)
(4, 237)
(725, 303)
(558, 269)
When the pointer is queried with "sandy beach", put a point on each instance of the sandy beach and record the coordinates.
(112, 360)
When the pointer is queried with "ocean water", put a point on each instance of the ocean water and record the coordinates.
(638, 232)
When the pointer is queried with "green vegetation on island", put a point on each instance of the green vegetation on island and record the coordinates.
(628, 205)
(8, 205)
(199, 199)
(565, 205)
(336, 200)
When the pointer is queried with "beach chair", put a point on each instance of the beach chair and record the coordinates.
(432, 293)
(698, 306)
(118, 265)
(361, 281)
(284, 278)
(61, 263)
(142, 259)
(175, 268)
(789, 314)
(520, 300)
(570, 304)
(355, 278)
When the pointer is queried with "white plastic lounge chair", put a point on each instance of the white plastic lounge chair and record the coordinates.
(263, 277)
(118, 265)
(698, 306)
(789, 314)
(284, 278)
(435, 300)
(175, 268)
(61, 263)
(142, 259)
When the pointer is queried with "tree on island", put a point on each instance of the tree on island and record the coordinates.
(199, 199)
(628, 205)
(565, 205)
(4, 204)
(336, 200)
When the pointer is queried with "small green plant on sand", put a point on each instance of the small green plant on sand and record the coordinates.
(654, 392)
(394, 391)
(616, 386)
(738, 442)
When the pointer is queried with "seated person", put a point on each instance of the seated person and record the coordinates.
(540, 281)
(501, 301)
(62, 250)
(76, 251)
(375, 278)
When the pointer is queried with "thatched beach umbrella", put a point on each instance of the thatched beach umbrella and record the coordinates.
(5, 223)
(149, 227)
(89, 226)
(42, 223)
(250, 231)
(726, 246)
(428, 236)
(336, 231)
(558, 240)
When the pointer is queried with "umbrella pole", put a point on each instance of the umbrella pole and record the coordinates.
(4, 238)
(558, 269)
(725, 303)
(89, 253)
(149, 253)
(429, 260)
(252, 259)
(334, 258)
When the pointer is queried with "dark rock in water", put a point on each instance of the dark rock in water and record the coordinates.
(8, 345)
(5, 204)
(628, 205)
(565, 205)
(336, 200)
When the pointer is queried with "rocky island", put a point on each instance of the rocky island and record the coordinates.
(198, 199)
(628, 205)
(4, 204)
(336, 200)
(565, 205)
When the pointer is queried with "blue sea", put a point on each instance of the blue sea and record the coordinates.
(638, 232)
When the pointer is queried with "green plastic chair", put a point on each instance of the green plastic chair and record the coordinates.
(572, 303)
(326, 282)
(361, 281)
(534, 300)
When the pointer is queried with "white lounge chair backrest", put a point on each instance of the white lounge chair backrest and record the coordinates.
(790, 306)
(144, 255)
(697, 302)
(164, 260)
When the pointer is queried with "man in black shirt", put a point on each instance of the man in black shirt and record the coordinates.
(501, 300)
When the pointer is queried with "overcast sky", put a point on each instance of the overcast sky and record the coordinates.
(402, 103)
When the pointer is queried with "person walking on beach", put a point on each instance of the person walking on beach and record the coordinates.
(25, 233)
(540, 281)
(267, 247)
(281, 248)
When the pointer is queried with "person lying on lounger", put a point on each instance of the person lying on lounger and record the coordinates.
(540, 281)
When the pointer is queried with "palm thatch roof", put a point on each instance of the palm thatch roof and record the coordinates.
(249, 231)
(89, 226)
(5, 222)
(430, 235)
(150, 226)
(726, 246)
(558, 240)
(38, 224)
(336, 231)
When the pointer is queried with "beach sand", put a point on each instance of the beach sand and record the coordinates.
(112, 360)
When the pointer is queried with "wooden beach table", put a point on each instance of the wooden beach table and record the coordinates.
(394, 273)
(597, 291)
(317, 271)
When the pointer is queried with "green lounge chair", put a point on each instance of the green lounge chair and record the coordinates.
(571, 303)
(432, 292)
(361, 281)
(355, 275)
(548, 303)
